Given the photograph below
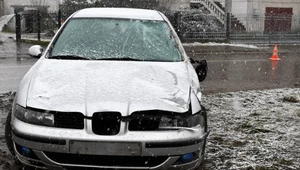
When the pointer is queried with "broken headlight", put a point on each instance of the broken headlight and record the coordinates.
(34, 116)
(181, 121)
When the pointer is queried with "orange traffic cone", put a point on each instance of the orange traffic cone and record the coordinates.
(275, 54)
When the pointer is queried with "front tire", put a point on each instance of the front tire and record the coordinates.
(8, 131)
(8, 134)
(205, 130)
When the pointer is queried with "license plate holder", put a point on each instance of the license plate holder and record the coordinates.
(106, 148)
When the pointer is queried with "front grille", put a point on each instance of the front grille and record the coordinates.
(72, 120)
(107, 123)
(99, 160)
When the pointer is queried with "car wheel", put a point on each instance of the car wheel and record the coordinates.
(8, 134)
(205, 130)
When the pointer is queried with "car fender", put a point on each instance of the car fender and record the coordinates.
(22, 92)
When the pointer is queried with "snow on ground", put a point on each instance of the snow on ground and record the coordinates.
(254, 130)
(249, 130)
(221, 44)
(5, 106)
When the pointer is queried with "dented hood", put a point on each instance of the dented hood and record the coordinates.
(99, 86)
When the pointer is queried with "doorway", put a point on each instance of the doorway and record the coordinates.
(278, 19)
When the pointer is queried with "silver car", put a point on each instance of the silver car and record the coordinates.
(114, 89)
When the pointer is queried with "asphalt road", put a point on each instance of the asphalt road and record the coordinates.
(230, 68)
(14, 63)
(236, 68)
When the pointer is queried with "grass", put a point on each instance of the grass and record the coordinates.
(298, 113)
(7, 30)
(245, 126)
(285, 162)
(291, 99)
(239, 143)
(259, 130)
(255, 114)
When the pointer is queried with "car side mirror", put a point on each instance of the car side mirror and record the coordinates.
(201, 70)
(193, 61)
(35, 51)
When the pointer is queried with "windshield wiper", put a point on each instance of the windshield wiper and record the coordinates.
(69, 57)
(121, 59)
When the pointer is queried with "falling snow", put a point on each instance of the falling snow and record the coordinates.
(249, 130)
(254, 130)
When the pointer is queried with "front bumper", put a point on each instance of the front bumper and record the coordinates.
(52, 147)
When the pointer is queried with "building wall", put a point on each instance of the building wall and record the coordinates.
(256, 13)
(54, 4)
(239, 7)
(239, 10)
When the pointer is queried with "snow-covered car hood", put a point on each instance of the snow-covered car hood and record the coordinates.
(98, 86)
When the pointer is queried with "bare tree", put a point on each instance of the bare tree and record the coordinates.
(39, 3)
(165, 5)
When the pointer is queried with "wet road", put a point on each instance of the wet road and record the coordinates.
(14, 63)
(230, 68)
(235, 69)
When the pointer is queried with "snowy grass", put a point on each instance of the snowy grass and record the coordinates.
(253, 130)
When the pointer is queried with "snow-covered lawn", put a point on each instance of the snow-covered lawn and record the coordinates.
(249, 130)
(254, 130)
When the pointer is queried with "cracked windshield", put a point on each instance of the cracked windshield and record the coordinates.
(150, 84)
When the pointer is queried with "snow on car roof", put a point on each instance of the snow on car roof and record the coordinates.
(124, 13)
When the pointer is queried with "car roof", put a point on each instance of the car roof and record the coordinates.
(122, 13)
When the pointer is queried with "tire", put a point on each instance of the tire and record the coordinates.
(205, 130)
(8, 134)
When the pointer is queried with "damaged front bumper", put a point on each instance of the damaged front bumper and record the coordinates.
(55, 148)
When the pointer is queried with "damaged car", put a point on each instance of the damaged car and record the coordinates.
(114, 89)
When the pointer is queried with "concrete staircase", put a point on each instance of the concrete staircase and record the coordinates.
(213, 8)
(236, 25)
(218, 10)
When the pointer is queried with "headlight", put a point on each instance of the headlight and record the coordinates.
(34, 116)
(182, 121)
